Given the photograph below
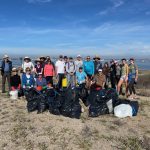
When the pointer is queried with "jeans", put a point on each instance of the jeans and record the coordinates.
(131, 86)
(5, 76)
(71, 80)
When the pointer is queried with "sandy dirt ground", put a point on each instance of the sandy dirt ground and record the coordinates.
(20, 130)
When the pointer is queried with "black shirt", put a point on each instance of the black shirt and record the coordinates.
(15, 80)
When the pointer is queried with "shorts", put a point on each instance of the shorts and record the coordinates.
(123, 77)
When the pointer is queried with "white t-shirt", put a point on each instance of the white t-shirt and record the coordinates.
(60, 65)
(29, 64)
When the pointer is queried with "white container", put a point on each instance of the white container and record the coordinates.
(13, 95)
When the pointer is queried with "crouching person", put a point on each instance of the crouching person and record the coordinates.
(98, 81)
(40, 82)
(28, 79)
(15, 82)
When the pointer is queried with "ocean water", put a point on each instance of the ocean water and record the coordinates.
(141, 63)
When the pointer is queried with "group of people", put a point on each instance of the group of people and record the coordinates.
(90, 72)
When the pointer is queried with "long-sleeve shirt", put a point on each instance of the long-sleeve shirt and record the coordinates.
(88, 67)
(41, 82)
(49, 70)
(26, 65)
(70, 67)
(27, 80)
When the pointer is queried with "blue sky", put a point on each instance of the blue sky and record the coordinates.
(105, 27)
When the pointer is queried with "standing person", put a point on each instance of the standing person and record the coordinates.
(65, 59)
(60, 70)
(88, 67)
(106, 72)
(78, 63)
(27, 64)
(118, 72)
(27, 79)
(113, 74)
(43, 59)
(124, 75)
(97, 64)
(71, 70)
(6, 68)
(38, 67)
(132, 78)
(49, 72)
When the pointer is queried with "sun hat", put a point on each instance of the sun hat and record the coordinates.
(42, 57)
(97, 57)
(37, 60)
(26, 57)
(5, 56)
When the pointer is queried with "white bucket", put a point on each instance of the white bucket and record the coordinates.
(13, 95)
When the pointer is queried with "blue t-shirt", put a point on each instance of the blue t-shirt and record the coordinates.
(81, 76)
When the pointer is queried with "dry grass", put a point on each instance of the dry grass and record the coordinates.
(21, 130)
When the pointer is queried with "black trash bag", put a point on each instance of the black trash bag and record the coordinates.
(42, 103)
(32, 105)
(76, 111)
(70, 104)
(95, 111)
(54, 102)
(111, 94)
(83, 93)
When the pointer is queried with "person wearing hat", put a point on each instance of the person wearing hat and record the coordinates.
(98, 81)
(70, 72)
(132, 78)
(28, 79)
(60, 70)
(15, 80)
(97, 64)
(49, 72)
(78, 62)
(27, 64)
(38, 67)
(6, 68)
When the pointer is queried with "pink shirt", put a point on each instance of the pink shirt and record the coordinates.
(49, 70)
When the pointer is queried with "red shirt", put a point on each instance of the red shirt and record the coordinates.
(49, 70)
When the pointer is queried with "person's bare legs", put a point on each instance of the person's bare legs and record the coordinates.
(119, 85)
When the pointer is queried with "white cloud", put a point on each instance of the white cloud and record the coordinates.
(147, 13)
(117, 3)
(38, 1)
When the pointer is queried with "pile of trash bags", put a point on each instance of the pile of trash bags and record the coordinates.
(66, 102)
